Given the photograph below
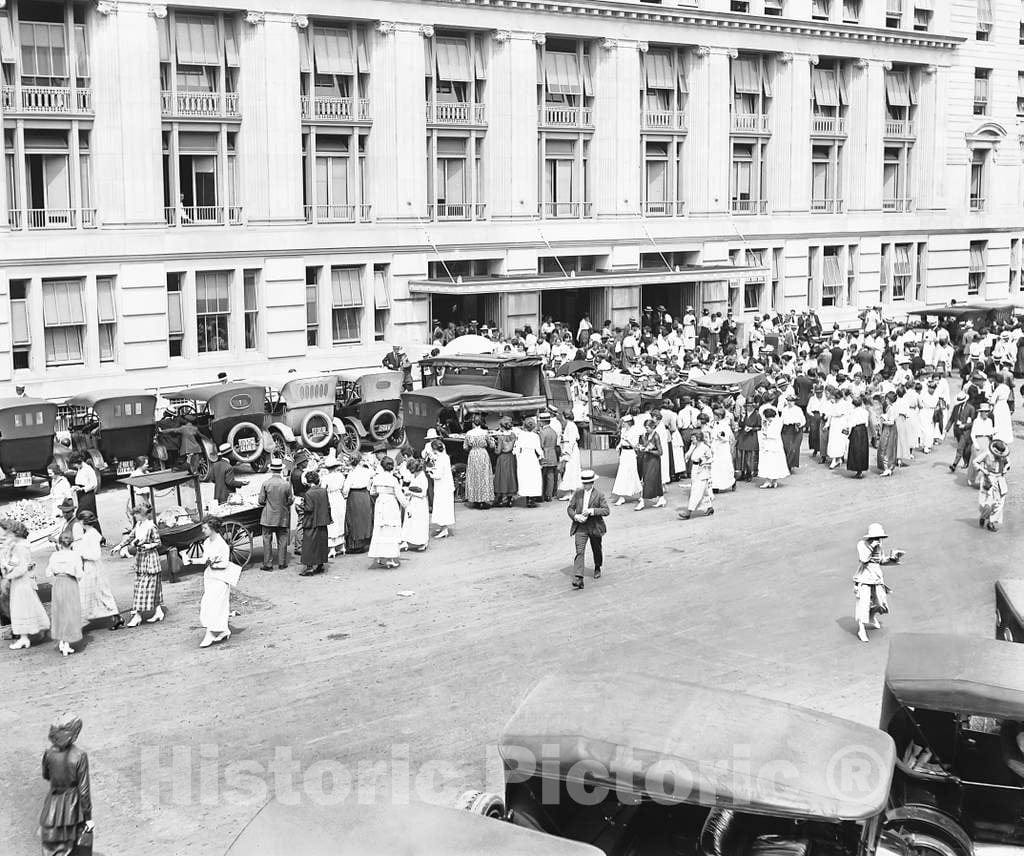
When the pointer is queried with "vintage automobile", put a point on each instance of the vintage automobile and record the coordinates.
(112, 426)
(232, 413)
(982, 314)
(407, 830)
(636, 764)
(27, 429)
(954, 705)
(368, 408)
(300, 412)
(510, 373)
(1010, 610)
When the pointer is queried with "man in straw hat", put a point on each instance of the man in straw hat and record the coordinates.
(960, 421)
(222, 474)
(276, 499)
(587, 509)
(869, 586)
(992, 466)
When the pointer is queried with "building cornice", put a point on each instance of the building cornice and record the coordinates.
(721, 21)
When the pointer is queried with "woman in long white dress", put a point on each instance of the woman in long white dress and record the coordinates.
(387, 516)
(333, 481)
(527, 452)
(1001, 418)
(97, 598)
(665, 436)
(771, 461)
(219, 576)
(627, 477)
(723, 471)
(416, 526)
(443, 513)
(837, 440)
(570, 482)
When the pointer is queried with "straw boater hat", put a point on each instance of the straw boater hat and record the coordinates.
(984, 407)
(276, 465)
(431, 434)
(588, 477)
(875, 530)
(999, 449)
(544, 417)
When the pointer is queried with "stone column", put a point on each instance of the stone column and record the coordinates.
(707, 150)
(397, 156)
(270, 183)
(928, 156)
(126, 98)
(616, 154)
(789, 149)
(864, 144)
(510, 149)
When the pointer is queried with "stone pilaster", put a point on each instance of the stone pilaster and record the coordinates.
(789, 149)
(616, 181)
(707, 149)
(864, 146)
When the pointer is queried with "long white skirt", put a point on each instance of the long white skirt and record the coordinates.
(771, 462)
(838, 442)
(387, 528)
(571, 477)
(416, 528)
(336, 528)
(723, 473)
(528, 475)
(444, 503)
(215, 605)
(627, 479)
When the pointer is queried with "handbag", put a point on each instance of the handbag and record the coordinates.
(83, 847)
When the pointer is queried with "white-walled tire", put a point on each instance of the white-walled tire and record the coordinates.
(482, 803)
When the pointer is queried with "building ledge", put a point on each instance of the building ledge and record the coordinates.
(725, 21)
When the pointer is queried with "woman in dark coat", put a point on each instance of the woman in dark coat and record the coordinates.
(746, 443)
(359, 506)
(649, 451)
(316, 516)
(506, 483)
(67, 809)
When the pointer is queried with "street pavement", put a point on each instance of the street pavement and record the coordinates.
(394, 685)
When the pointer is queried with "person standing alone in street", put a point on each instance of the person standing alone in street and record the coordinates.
(587, 509)
(276, 499)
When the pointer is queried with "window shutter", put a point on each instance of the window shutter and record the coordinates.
(683, 87)
(833, 272)
(745, 77)
(231, 41)
(332, 51)
(196, 40)
(480, 58)
(8, 52)
(305, 51)
(562, 73)
(826, 90)
(897, 92)
(20, 330)
(346, 288)
(106, 312)
(381, 291)
(452, 57)
(82, 51)
(766, 78)
(362, 56)
(658, 70)
(62, 303)
(163, 37)
(588, 78)
(175, 315)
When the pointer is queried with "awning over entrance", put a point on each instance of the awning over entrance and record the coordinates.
(552, 282)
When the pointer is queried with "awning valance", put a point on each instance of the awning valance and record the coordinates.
(825, 86)
(332, 51)
(897, 88)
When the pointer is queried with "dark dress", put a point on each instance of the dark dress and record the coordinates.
(792, 437)
(814, 432)
(358, 520)
(316, 515)
(651, 476)
(858, 451)
(747, 446)
(506, 483)
(68, 805)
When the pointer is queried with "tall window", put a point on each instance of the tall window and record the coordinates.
(979, 164)
(923, 15)
(1016, 264)
(902, 271)
(46, 46)
(820, 9)
(332, 178)
(777, 265)
(106, 314)
(451, 177)
(561, 177)
(985, 20)
(833, 281)
(64, 321)
(312, 307)
(456, 77)
(752, 92)
(664, 88)
(895, 178)
(657, 187)
(21, 330)
(198, 57)
(894, 13)
(825, 178)
(852, 263)
(251, 299)
(754, 284)
(175, 316)
(921, 280)
(748, 184)
(346, 304)
(828, 90)
(381, 300)
(982, 77)
(977, 271)
(851, 11)
(213, 311)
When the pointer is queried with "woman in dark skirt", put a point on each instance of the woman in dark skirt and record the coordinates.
(67, 809)
(359, 506)
(857, 428)
(316, 517)
(814, 410)
(649, 450)
(506, 484)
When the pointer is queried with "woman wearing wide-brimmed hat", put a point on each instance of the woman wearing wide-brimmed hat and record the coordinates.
(992, 467)
(869, 586)
(67, 809)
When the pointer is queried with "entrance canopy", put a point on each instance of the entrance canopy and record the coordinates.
(600, 279)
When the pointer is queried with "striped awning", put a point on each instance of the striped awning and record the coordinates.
(902, 266)
(825, 87)
(833, 274)
(746, 76)
(346, 288)
(561, 73)
(453, 60)
(332, 51)
(897, 88)
(977, 264)
(658, 70)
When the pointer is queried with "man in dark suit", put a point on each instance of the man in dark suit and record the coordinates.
(549, 458)
(587, 510)
(222, 474)
(960, 420)
(276, 499)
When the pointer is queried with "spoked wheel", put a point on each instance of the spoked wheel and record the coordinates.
(199, 465)
(194, 553)
(459, 478)
(261, 464)
(397, 438)
(349, 441)
(239, 541)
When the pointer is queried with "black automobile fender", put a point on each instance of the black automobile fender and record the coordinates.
(927, 820)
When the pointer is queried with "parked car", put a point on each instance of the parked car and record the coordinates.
(300, 412)
(231, 413)
(510, 373)
(637, 764)
(27, 429)
(954, 705)
(1010, 610)
(399, 830)
(112, 426)
(368, 408)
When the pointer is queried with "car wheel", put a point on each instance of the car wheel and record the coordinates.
(479, 802)
(922, 844)
(349, 441)
(261, 464)
(459, 478)
(397, 438)
(199, 465)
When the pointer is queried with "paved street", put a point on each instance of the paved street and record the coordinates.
(343, 668)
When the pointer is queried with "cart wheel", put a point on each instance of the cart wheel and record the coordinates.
(459, 478)
(261, 464)
(194, 553)
(239, 541)
(199, 465)
(397, 438)
(349, 441)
